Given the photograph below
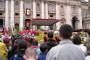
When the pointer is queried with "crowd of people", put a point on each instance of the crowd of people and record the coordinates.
(63, 48)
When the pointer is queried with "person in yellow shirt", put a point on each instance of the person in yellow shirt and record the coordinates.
(3, 51)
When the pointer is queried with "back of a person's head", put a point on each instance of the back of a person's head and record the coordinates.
(45, 32)
(76, 40)
(35, 43)
(50, 34)
(14, 37)
(65, 31)
(51, 43)
(30, 53)
(31, 41)
(43, 47)
(21, 46)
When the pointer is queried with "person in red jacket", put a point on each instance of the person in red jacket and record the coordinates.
(45, 36)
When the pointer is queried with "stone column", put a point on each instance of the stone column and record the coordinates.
(6, 14)
(42, 9)
(46, 5)
(12, 15)
(21, 15)
(34, 9)
(58, 15)
(79, 18)
(68, 14)
(46, 13)
(42, 12)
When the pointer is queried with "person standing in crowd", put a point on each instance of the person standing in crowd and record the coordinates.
(3, 51)
(50, 42)
(30, 54)
(11, 51)
(43, 48)
(35, 45)
(66, 50)
(57, 36)
(20, 49)
(88, 49)
(45, 36)
(77, 41)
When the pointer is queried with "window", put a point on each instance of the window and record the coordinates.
(17, 14)
(51, 7)
(1, 4)
(0, 13)
(27, 4)
(62, 10)
(16, 4)
(38, 14)
(51, 15)
(38, 7)
(74, 9)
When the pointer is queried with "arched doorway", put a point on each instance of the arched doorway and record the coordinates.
(27, 24)
(75, 22)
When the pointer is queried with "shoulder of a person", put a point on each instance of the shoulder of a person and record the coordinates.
(78, 48)
(56, 47)
(87, 57)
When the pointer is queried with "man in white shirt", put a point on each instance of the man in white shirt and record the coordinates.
(66, 50)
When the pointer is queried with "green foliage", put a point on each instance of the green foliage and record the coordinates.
(16, 31)
(40, 36)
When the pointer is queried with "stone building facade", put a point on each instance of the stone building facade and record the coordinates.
(36, 13)
(86, 15)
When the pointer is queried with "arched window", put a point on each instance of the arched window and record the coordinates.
(27, 4)
(1, 4)
(74, 9)
(38, 7)
(51, 7)
(75, 22)
(16, 5)
(62, 9)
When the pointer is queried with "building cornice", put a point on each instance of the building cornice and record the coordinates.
(70, 4)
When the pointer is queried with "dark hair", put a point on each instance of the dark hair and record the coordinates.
(35, 43)
(65, 31)
(31, 41)
(43, 47)
(22, 46)
(76, 40)
(51, 43)
(50, 34)
(45, 32)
